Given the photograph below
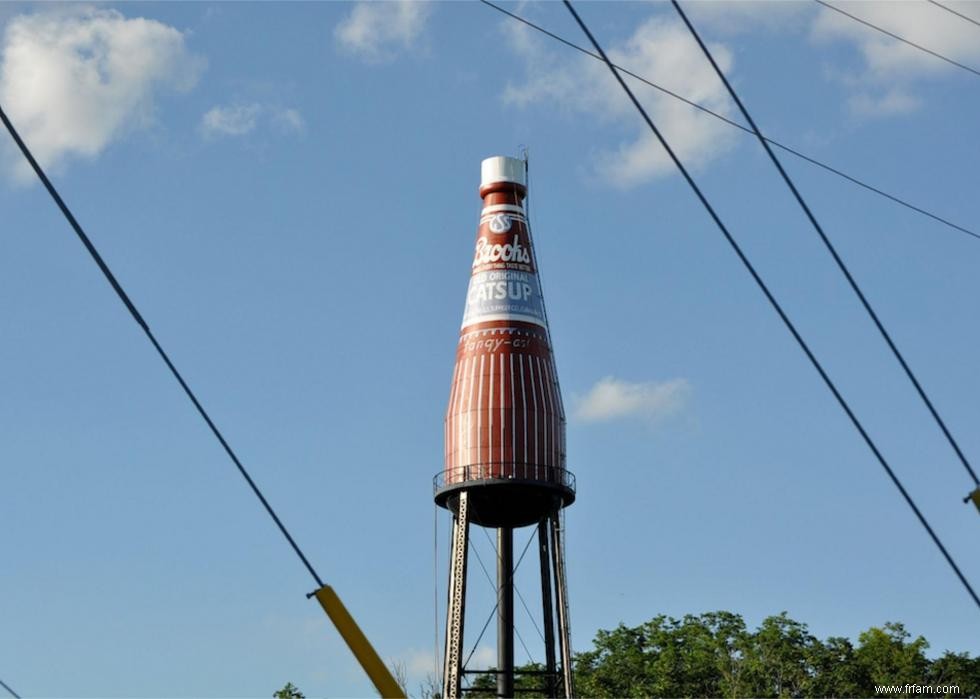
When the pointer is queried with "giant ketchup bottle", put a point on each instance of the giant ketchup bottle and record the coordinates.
(505, 424)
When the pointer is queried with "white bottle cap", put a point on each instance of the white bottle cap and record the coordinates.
(500, 168)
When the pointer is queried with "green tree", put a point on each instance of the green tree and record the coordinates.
(715, 655)
(527, 680)
(617, 665)
(885, 656)
(289, 692)
(957, 669)
(835, 672)
(779, 659)
(727, 639)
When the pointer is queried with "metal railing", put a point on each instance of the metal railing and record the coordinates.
(504, 471)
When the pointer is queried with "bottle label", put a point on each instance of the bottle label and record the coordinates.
(503, 294)
(504, 284)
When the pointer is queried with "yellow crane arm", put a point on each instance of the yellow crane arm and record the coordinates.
(375, 668)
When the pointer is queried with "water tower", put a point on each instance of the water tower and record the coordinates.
(505, 434)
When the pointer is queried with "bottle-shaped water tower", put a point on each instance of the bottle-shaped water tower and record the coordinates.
(505, 433)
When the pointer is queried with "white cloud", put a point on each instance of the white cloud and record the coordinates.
(613, 399)
(737, 16)
(892, 101)
(661, 51)
(420, 667)
(241, 119)
(374, 31)
(484, 657)
(420, 663)
(234, 120)
(888, 69)
(73, 79)
(289, 119)
(880, 79)
(885, 58)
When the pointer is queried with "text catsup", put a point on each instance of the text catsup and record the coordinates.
(490, 291)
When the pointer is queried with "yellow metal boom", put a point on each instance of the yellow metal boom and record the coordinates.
(358, 643)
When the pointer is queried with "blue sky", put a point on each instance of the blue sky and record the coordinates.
(288, 193)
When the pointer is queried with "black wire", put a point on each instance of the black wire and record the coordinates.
(830, 247)
(766, 140)
(958, 14)
(702, 108)
(898, 38)
(779, 310)
(486, 572)
(493, 584)
(479, 638)
(6, 686)
(146, 329)
(494, 610)
(516, 589)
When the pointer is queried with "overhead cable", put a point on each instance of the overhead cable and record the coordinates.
(6, 686)
(832, 250)
(898, 38)
(778, 308)
(110, 277)
(952, 11)
(813, 161)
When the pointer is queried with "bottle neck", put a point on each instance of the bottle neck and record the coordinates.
(503, 193)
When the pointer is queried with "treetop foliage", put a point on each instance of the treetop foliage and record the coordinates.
(715, 655)
(289, 691)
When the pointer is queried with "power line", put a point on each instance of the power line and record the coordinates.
(716, 115)
(898, 38)
(110, 277)
(952, 11)
(6, 686)
(779, 310)
(833, 250)
(765, 142)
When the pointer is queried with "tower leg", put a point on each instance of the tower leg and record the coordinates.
(550, 685)
(561, 594)
(505, 613)
(452, 673)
